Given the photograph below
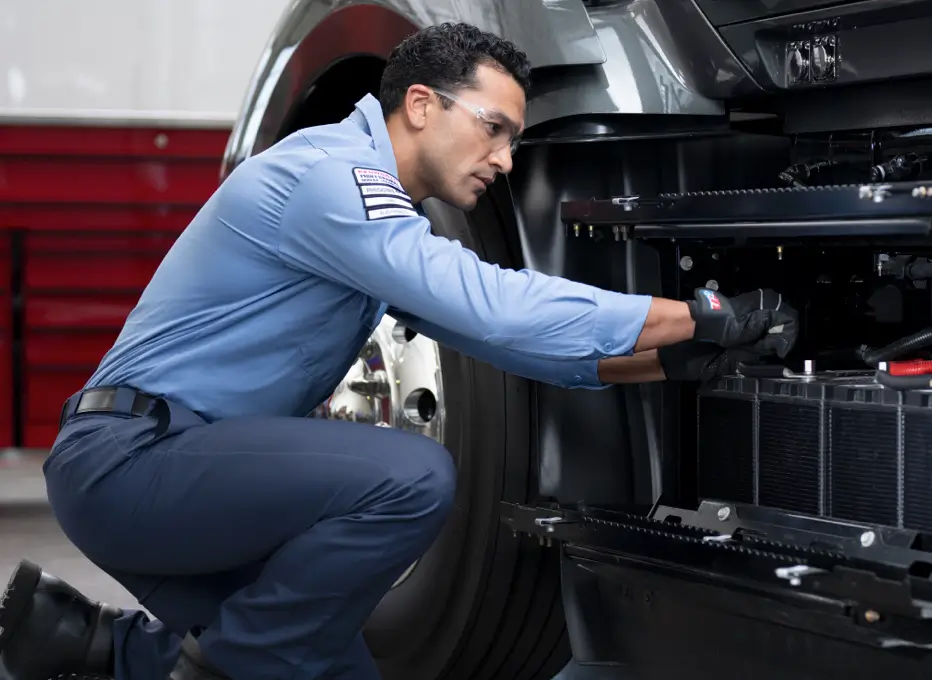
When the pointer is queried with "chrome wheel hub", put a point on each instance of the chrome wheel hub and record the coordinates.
(395, 382)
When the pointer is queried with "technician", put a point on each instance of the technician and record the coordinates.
(186, 468)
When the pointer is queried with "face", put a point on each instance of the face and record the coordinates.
(464, 146)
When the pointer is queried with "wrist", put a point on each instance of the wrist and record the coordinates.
(638, 368)
(668, 322)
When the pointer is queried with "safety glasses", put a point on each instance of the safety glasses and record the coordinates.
(501, 130)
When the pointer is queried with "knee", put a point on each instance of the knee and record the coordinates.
(428, 480)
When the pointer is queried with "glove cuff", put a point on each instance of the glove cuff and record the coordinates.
(712, 313)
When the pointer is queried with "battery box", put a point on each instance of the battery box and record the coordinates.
(832, 444)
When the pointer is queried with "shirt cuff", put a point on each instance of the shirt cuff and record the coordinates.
(586, 376)
(621, 320)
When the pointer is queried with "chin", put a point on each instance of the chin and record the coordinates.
(465, 203)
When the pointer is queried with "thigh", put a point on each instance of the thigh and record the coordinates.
(216, 496)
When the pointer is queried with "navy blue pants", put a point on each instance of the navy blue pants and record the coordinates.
(272, 539)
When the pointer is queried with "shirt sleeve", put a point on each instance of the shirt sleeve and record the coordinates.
(580, 374)
(356, 226)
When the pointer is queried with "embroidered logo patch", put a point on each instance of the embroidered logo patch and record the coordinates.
(373, 176)
(382, 195)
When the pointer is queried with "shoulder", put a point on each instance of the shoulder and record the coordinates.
(352, 186)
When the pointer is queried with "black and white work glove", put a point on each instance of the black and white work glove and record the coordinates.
(760, 321)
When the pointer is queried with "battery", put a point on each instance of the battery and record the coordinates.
(830, 444)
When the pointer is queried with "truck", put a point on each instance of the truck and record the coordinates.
(775, 523)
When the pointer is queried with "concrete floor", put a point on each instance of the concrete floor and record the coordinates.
(28, 530)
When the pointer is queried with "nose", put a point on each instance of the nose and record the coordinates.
(501, 160)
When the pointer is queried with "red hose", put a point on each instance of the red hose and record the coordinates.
(918, 367)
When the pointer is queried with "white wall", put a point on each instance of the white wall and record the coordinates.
(170, 60)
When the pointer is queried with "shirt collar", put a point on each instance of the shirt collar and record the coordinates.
(368, 116)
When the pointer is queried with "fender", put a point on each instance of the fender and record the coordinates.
(634, 57)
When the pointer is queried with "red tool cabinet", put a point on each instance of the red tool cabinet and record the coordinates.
(86, 215)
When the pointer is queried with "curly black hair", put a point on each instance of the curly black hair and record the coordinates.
(446, 57)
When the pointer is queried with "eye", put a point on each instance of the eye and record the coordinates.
(493, 128)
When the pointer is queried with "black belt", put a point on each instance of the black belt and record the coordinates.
(119, 400)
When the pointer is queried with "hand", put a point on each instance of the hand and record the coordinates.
(760, 321)
(701, 362)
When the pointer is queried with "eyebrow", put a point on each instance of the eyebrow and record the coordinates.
(515, 128)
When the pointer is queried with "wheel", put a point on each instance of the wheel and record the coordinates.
(480, 604)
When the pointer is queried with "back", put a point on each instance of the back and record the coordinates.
(226, 326)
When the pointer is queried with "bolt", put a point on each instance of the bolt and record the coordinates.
(591, 231)
(711, 284)
(576, 230)
(616, 230)
(724, 513)
(686, 263)
(808, 367)
(871, 616)
(868, 538)
(161, 140)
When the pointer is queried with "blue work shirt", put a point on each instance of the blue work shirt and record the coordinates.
(265, 300)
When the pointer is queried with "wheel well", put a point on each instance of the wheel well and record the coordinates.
(334, 94)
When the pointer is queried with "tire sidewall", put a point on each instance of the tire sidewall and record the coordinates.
(417, 627)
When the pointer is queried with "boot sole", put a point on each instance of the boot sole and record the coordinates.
(16, 598)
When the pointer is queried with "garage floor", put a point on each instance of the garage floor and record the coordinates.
(28, 530)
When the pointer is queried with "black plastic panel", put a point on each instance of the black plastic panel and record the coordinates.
(617, 446)
(875, 40)
(726, 443)
(778, 595)
(723, 12)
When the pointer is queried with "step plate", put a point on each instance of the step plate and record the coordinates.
(874, 574)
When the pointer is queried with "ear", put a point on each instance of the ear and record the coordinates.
(418, 100)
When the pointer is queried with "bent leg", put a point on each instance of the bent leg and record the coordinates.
(334, 511)
(147, 649)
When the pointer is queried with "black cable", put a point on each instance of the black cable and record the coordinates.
(904, 382)
(896, 349)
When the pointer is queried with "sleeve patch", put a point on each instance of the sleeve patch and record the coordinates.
(375, 201)
(382, 190)
(384, 213)
(373, 176)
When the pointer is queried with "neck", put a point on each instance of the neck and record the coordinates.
(406, 160)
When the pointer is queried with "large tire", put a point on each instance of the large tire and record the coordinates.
(480, 604)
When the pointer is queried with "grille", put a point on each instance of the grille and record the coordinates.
(834, 445)
(863, 462)
(917, 470)
(788, 459)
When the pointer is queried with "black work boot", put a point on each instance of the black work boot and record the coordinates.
(49, 630)
(192, 665)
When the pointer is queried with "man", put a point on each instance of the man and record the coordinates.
(264, 539)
